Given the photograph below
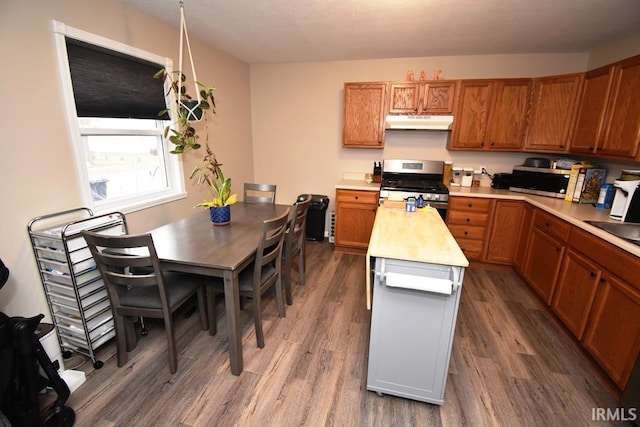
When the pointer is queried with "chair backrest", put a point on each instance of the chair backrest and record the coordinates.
(259, 193)
(125, 262)
(297, 224)
(270, 245)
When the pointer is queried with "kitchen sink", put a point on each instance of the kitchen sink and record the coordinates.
(623, 230)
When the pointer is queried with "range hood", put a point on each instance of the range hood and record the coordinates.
(419, 122)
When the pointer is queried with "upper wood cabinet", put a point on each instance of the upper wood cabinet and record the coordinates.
(552, 111)
(508, 114)
(429, 97)
(622, 126)
(589, 123)
(491, 114)
(363, 119)
(471, 115)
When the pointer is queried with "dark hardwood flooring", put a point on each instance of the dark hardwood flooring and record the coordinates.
(510, 365)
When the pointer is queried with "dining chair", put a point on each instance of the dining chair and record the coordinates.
(259, 276)
(259, 193)
(295, 245)
(137, 285)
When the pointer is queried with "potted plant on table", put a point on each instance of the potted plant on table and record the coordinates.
(184, 136)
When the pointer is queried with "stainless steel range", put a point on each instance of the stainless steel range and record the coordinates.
(402, 179)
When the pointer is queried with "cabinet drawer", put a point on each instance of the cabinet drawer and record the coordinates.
(467, 217)
(551, 225)
(472, 249)
(467, 232)
(470, 204)
(622, 263)
(357, 196)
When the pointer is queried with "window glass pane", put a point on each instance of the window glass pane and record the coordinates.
(124, 157)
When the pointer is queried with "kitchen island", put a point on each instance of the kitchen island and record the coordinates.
(419, 270)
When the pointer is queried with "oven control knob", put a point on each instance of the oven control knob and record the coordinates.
(436, 197)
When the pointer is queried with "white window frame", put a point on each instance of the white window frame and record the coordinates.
(175, 177)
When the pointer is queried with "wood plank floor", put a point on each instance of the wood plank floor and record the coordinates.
(510, 365)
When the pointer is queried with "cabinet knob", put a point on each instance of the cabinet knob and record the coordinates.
(466, 233)
(592, 274)
(602, 280)
(356, 197)
(468, 219)
(557, 249)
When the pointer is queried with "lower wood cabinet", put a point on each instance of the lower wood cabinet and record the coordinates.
(544, 253)
(523, 237)
(575, 291)
(613, 333)
(355, 214)
(469, 219)
(505, 229)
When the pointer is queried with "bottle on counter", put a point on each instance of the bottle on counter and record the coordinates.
(420, 202)
(446, 172)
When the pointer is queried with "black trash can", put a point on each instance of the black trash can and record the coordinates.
(316, 216)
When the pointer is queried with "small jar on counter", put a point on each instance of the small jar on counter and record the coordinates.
(477, 175)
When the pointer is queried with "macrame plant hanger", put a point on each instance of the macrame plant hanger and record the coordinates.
(190, 107)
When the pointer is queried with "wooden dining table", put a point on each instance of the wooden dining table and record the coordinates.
(194, 245)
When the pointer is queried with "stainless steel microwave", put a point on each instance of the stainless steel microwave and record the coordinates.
(540, 181)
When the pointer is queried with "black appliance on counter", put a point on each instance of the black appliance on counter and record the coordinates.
(501, 181)
(541, 181)
(402, 179)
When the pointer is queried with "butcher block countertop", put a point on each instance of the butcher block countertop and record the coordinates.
(420, 236)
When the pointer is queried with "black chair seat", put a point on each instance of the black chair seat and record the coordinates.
(179, 287)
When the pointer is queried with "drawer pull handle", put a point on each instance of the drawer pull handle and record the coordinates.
(592, 274)
(468, 219)
(466, 233)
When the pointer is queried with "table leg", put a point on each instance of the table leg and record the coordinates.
(232, 306)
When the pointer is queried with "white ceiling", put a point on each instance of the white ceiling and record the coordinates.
(272, 31)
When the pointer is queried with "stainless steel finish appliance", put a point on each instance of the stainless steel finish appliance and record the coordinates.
(414, 122)
(402, 179)
(540, 181)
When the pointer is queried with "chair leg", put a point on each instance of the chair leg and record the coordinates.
(257, 319)
(202, 308)
(280, 296)
(286, 270)
(129, 333)
(171, 343)
(121, 339)
(211, 308)
(301, 266)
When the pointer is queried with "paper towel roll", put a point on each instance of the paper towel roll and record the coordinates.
(419, 283)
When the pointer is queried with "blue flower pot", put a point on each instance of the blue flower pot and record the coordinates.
(220, 215)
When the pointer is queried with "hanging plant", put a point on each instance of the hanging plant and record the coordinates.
(182, 133)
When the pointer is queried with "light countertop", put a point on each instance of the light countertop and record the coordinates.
(420, 236)
(573, 213)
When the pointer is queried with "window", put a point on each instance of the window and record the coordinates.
(122, 159)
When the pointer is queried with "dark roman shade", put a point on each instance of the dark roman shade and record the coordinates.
(111, 84)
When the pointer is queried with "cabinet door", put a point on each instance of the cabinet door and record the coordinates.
(364, 106)
(503, 239)
(589, 123)
(553, 105)
(542, 263)
(471, 117)
(404, 98)
(508, 114)
(622, 135)
(576, 290)
(523, 239)
(438, 97)
(354, 223)
(613, 333)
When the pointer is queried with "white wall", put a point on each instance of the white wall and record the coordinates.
(37, 169)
